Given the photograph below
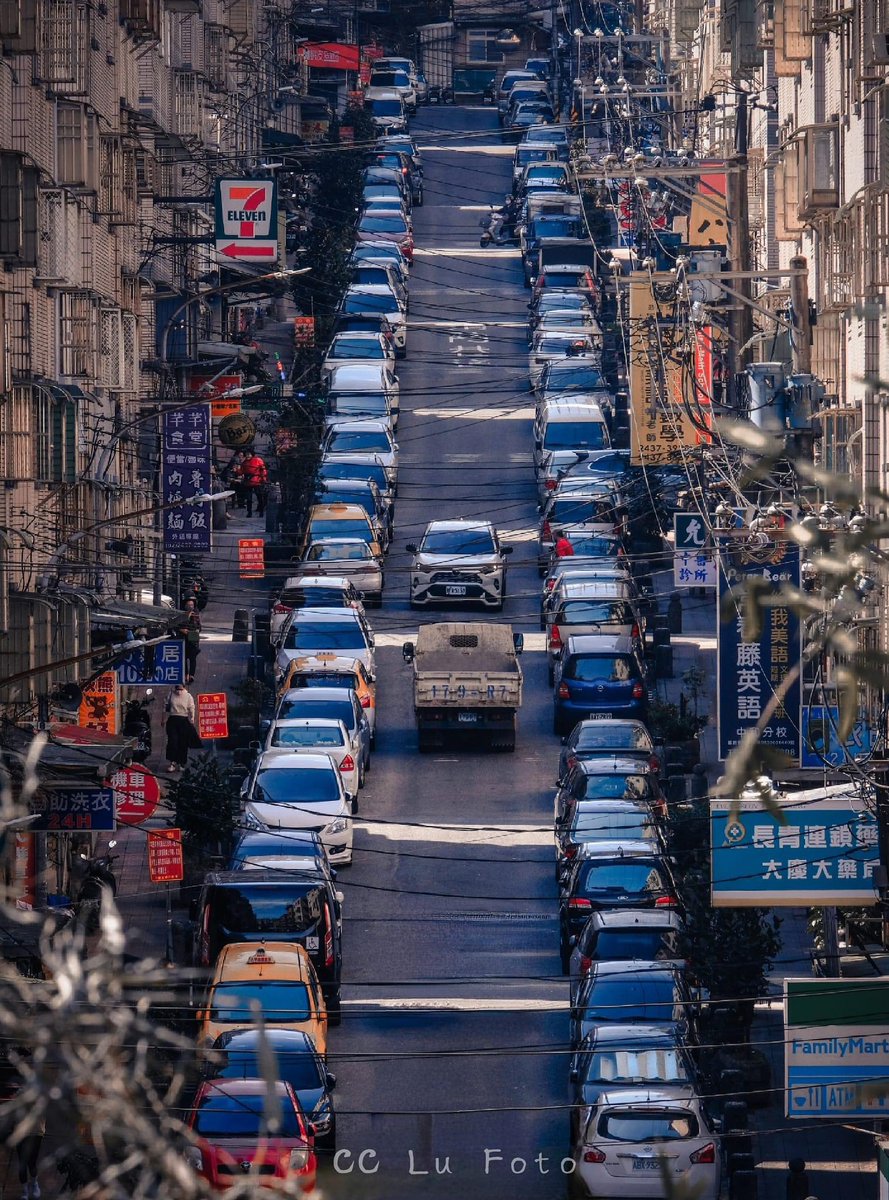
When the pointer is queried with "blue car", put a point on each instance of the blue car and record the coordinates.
(598, 675)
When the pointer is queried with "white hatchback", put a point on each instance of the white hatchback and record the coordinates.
(300, 791)
(316, 735)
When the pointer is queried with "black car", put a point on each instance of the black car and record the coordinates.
(273, 906)
(633, 992)
(239, 1055)
(592, 739)
(594, 821)
(609, 778)
(615, 876)
(626, 1055)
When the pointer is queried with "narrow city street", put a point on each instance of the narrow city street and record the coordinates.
(453, 1001)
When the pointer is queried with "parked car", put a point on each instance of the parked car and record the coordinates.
(242, 1054)
(592, 740)
(301, 791)
(394, 228)
(320, 735)
(358, 466)
(388, 113)
(344, 439)
(386, 252)
(345, 348)
(596, 506)
(352, 558)
(592, 606)
(376, 299)
(598, 675)
(611, 875)
(551, 345)
(594, 821)
(335, 700)
(363, 492)
(298, 852)
(370, 272)
(613, 935)
(610, 777)
(589, 546)
(507, 83)
(459, 561)
(338, 521)
(532, 114)
(314, 671)
(632, 1137)
(397, 159)
(632, 992)
(363, 388)
(525, 155)
(397, 81)
(229, 1122)
(302, 591)
(589, 570)
(315, 630)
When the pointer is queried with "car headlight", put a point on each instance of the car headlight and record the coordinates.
(194, 1158)
(490, 570)
(299, 1158)
(252, 821)
(338, 825)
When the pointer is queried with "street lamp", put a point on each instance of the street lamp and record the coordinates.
(578, 34)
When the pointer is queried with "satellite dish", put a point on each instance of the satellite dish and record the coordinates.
(69, 696)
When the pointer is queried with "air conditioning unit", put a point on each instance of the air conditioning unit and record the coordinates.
(880, 52)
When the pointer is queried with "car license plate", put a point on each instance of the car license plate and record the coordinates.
(599, 716)
(455, 589)
(467, 718)
(312, 943)
(646, 1164)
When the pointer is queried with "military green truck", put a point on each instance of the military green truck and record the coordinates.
(467, 680)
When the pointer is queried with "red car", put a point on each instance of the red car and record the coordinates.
(232, 1139)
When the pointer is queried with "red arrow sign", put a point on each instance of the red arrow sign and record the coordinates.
(236, 250)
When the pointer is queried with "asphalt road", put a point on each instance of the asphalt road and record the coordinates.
(455, 1014)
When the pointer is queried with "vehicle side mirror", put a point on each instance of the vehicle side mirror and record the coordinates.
(507, 549)
(407, 652)
(518, 641)
(330, 1080)
(411, 547)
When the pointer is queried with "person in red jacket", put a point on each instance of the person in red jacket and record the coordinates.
(564, 548)
(253, 475)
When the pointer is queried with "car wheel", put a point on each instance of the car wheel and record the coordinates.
(334, 1008)
(327, 1141)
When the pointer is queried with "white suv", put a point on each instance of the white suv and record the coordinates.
(459, 561)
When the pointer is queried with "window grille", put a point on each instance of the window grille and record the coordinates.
(77, 334)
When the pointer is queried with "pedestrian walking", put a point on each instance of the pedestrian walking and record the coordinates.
(564, 548)
(179, 723)
(233, 475)
(190, 630)
(254, 475)
(28, 1155)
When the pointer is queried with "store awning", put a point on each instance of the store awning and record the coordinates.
(70, 751)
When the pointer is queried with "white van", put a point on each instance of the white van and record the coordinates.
(569, 425)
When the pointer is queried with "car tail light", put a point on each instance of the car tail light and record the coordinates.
(593, 1155)
(328, 945)
(571, 762)
(638, 691)
(621, 553)
(586, 964)
(348, 763)
(564, 693)
(550, 485)
(281, 608)
(547, 529)
(667, 901)
(634, 632)
(365, 701)
(706, 1154)
(654, 762)
(549, 585)
(555, 638)
(579, 902)
(570, 852)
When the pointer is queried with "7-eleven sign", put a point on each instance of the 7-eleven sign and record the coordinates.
(247, 219)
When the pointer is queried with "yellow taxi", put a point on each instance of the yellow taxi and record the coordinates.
(335, 670)
(336, 521)
(279, 981)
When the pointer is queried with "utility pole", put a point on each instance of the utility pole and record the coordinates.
(741, 315)
(801, 338)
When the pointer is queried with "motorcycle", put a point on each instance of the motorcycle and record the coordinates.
(137, 724)
(434, 95)
(500, 225)
(98, 876)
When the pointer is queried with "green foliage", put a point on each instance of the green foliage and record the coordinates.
(667, 721)
(204, 804)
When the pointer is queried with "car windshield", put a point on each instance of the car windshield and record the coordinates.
(224, 1116)
(383, 224)
(577, 509)
(529, 154)
(349, 527)
(386, 108)
(623, 736)
(346, 496)
(358, 347)
(374, 471)
(588, 546)
(324, 635)
(642, 1065)
(596, 826)
(370, 273)
(332, 710)
(644, 945)
(253, 911)
(555, 344)
(631, 998)
(458, 541)
(564, 300)
(631, 1125)
(339, 552)
(589, 612)
(311, 737)
(616, 787)
(374, 403)
(575, 435)
(319, 597)
(276, 1000)
(574, 377)
(546, 171)
(556, 227)
(378, 302)
(293, 785)
(275, 845)
(587, 668)
(373, 440)
(299, 1068)
(569, 318)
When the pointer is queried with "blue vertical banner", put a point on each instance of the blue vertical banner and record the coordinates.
(750, 672)
(186, 472)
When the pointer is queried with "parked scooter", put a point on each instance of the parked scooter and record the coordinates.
(99, 876)
(137, 724)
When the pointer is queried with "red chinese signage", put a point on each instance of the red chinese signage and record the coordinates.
(706, 372)
(211, 391)
(332, 56)
(251, 558)
(347, 133)
(137, 794)
(369, 55)
(98, 708)
(304, 331)
(212, 715)
(165, 863)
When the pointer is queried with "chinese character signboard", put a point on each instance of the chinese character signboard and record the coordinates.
(186, 473)
(247, 220)
(304, 331)
(166, 665)
(750, 672)
(74, 810)
(200, 384)
(98, 708)
(825, 853)
(212, 715)
(251, 558)
(836, 1048)
(332, 56)
(137, 794)
(165, 863)
(694, 562)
